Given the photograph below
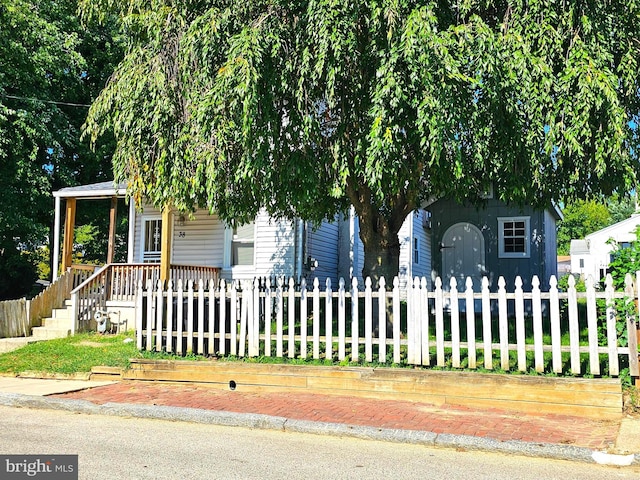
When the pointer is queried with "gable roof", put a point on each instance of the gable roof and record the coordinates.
(625, 228)
(94, 190)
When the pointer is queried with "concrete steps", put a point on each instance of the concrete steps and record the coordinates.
(58, 325)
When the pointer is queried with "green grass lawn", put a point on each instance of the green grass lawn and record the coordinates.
(74, 354)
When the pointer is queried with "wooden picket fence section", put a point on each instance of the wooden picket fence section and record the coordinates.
(415, 326)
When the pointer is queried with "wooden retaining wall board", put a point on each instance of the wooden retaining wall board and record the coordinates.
(593, 398)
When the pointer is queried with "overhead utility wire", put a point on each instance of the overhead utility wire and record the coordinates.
(45, 101)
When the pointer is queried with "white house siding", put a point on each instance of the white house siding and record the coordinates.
(274, 249)
(322, 245)
(412, 227)
(405, 236)
(147, 212)
(203, 241)
(200, 241)
(423, 267)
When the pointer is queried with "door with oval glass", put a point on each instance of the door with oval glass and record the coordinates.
(463, 255)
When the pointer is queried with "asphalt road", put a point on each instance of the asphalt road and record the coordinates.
(130, 448)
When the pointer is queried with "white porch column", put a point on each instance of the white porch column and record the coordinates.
(56, 240)
(132, 230)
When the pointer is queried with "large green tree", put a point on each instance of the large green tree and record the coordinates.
(305, 107)
(582, 217)
(51, 68)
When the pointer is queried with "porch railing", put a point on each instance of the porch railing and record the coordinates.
(551, 331)
(120, 281)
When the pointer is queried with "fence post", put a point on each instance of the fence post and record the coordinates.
(169, 337)
(455, 323)
(471, 323)
(486, 325)
(396, 319)
(503, 323)
(223, 317)
(411, 323)
(291, 315)
(341, 320)
(632, 327)
(439, 323)
(159, 315)
(316, 318)
(189, 315)
(612, 331)
(382, 321)
(422, 319)
(254, 347)
(303, 318)
(75, 311)
(279, 319)
(355, 333)
(592, 325)
(212, 316)
(267, 318)
(328, 325)
(139, 300)
(537, 324)
(180, 316)
(554, 310)
(368, 315)
(201, 316)
(520, 328)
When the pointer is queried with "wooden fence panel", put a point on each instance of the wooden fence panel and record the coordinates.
(14, 320)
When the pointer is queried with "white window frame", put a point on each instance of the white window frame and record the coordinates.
(143, 230)
(527, 237)
(228, 239)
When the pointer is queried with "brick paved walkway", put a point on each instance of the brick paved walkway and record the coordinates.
(496, 424)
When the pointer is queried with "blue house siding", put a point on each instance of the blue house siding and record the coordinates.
(542, 242)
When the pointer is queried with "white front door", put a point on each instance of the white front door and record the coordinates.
(462, 250)
(151, 239)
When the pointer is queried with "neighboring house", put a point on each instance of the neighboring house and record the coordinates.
(564, 265)
(591, 255)
(493, 240)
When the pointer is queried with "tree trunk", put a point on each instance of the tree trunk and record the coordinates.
(381, 256)
(381, 259)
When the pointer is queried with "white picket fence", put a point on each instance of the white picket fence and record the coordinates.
(415, 326)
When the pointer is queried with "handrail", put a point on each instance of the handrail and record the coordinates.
(55, 294)
(88, 280)
(85, 298)
(119, 281)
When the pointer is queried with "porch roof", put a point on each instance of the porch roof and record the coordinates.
(94, 190)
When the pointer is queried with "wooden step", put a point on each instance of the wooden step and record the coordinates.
(48, 333)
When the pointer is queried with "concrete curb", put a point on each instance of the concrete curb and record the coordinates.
(268, 422)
